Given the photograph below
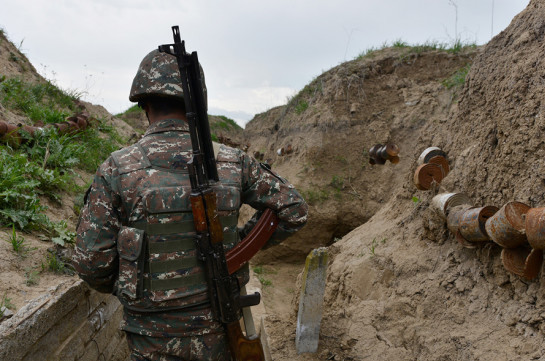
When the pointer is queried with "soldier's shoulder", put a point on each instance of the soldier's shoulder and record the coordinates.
(225, 153)
(129, 158)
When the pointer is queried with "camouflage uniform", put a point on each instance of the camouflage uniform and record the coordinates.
(136, 238)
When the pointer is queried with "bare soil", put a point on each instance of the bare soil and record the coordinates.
(399, 286)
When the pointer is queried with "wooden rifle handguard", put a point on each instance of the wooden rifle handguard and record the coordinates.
(253, 242)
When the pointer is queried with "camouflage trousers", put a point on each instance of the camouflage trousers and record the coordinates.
(210, 347)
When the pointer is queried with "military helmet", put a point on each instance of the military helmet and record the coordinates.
(158, 75)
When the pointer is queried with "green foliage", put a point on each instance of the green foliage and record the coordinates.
(40, 101)
(32, 277)
(301, 106)
(18, 243)
(43, 165)
(53, 264)
(457, 79)
(415, 200)
(20, 183)
(400, 44)
(455, 47)
(300, 102)
(62, 235)
(459, 46)
(134, 109)
(337, 182)
(5, 302)
(97, 143)
(225, 124)
(315, 196)
(260, 272)
(374, 245)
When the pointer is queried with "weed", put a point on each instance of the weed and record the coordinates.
(315, 196)
(5, 303)
(265, 282)
(62, 234)
(134, 109)
(374, 244)
(301, 106)
(53, 264)
(337, 183)
(32, 277)
(415, 200)
(41, 101)
(225, 124)
(260, 271)
(457, 79)
(400, 44)
(13, 57)
(456, 47)
(18, 243)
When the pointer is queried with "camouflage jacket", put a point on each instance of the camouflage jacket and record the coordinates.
(135, 238)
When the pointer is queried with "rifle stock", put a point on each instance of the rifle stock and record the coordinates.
(244, 348)
(220, 283)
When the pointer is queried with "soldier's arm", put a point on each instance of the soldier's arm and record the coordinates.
(263, 188)
(95, 257)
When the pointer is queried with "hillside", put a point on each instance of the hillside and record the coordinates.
(399, 285)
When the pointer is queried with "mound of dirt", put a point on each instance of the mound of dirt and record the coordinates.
(390, 96)
(400, 287)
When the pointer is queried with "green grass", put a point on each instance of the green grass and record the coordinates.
(374, 245)
(32, 277)
(225, 124)
(458, 78)
(54, 264)
(38, 101)
(260, 272)
(301, 106)
(455, 47)
(302, 100)
(315, 196)
(44, 165)
(18, 243)
(134, 109)
(5, 302)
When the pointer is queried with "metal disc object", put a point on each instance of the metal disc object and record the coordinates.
(394, 159)
(507, 226)
(454, 217)
(430, 152)
(522, 261)
(373, 150)
(535, 227)
(472, 223)
(392, 149)
(426, 174)
(443, 202)
(442, 161)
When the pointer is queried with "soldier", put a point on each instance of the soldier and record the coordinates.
(135, 236)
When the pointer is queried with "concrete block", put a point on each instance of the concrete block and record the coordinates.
(264, 336)
(309, 315)
(34, 320)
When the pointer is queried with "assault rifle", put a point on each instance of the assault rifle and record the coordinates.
(223, 286)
